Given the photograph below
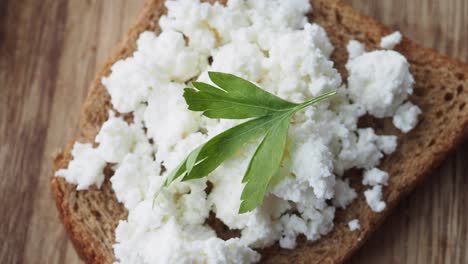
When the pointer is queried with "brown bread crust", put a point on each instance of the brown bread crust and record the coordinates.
(441, 90)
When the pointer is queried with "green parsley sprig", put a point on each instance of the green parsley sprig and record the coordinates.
(236, 98)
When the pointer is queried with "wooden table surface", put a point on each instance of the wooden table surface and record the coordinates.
(49, 52)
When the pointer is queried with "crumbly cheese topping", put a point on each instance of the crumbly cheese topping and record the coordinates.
(354, 225)
(374, 198)
(86, 168)
(375, 176)
(355, 49)
(406, 117)
(271, 43)
(379, 81)
(390, 41)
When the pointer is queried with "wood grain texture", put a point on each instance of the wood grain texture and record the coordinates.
(49, 52)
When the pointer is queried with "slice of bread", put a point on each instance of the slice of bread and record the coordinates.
(441, 90)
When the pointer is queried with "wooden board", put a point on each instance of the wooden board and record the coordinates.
(49, 51)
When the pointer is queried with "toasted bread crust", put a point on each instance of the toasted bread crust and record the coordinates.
(441, 90)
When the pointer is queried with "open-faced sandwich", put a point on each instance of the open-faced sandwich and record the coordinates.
(253, 130)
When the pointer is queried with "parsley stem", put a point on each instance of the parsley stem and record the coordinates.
(316, 99)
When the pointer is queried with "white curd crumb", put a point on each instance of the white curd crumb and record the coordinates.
(374, 198)
(131, 179)
(390, 41)
(355, 49)
(239, 58)
(365, 150)
(387, 144)
(379, 87)
(312, 164)
(86, 168)
(294, 225)
(344, 194)
(406, 117)
(167, 119)
(374, 177)
(354, 225)
(115, 139)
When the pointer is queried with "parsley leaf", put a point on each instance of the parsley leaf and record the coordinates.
(264, 164)
(210, 155)
(237, 98)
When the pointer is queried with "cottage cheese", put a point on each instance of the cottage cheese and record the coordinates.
(355, 49)
(86, 168)
(406, 117)
(273, 44)
(117, 138)
(379, 87)
(374, 198)
(344, 194)
(375, 176)
(390, 41)
(354, 225)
